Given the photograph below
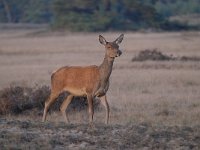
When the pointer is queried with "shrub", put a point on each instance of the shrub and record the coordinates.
(14, 100)
(192, 58)
(152, 55)
(17, 99)
(155, 55)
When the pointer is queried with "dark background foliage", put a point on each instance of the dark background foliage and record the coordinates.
(100, 15)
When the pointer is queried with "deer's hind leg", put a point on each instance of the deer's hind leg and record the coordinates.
(48, 103)
(64, 106)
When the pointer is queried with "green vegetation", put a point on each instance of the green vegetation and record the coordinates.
(25, 11)
(177, 7)
(100, 15)
(104, 15)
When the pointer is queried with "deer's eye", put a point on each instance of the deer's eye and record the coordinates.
(109, 47)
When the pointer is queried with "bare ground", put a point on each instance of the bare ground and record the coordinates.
(15, 134)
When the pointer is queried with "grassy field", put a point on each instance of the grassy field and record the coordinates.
(158, 93)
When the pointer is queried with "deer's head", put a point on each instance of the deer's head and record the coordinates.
(112, 48)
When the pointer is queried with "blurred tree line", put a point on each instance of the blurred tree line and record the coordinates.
(26, 11)
(98, 15)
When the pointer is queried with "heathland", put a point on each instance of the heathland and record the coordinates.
(154, 104)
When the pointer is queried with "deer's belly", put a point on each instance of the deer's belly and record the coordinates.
(76, 92)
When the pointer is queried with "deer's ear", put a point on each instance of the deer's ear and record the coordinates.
(102, 40)
(119, 39)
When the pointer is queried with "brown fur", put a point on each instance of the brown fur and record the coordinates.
(76, 80)
(90, 81)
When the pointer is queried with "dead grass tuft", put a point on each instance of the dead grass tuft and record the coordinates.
(155, 55)
(191, 58)
(17, 99)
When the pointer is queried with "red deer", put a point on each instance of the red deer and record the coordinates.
(90, 81)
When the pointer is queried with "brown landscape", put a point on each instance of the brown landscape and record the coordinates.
(154, 104)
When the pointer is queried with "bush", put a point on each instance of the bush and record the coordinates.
(17, 99)
(155, 55)
(152, 55)
(14, 100)
(192, 58)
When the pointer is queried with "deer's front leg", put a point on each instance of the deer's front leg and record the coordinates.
(106, 105)
(90, 108)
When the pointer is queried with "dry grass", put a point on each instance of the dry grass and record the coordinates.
(155, 92)
(28, 134)
(26, 100)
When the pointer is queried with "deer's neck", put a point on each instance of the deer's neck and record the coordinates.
(106, 69)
